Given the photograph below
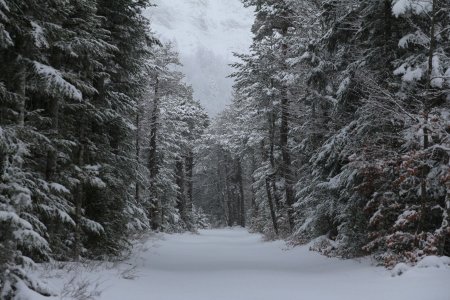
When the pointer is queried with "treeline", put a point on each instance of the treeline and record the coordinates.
(96, 134)
(341, 127)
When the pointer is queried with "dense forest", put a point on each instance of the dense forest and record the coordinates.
(339, 129)
(338, 133)
(96, 137)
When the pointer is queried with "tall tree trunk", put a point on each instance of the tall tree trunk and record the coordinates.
(387, 26)
(254, 205)
(79, 195)
(427, 107)
(189, 181)
(155, 205)
(228, 196)
(138, 156)
(221, 191)
(181, 199)
(241, 193)
(284, 140)
(52, 153)
(273, 176)
(21, 91)
(432, 44)
(270, 181)
(271, 208)
(446, 220)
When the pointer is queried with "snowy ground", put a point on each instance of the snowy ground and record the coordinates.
(231, 264)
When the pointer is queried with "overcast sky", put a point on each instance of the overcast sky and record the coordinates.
(206, 33)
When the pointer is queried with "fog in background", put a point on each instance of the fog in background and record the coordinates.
(205, 33)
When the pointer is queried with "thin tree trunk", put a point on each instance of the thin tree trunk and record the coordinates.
(286, 155)
(189, 181)
(432, 44)
(22, 81)
(387, 25)
(270, 181)
(446, 221)
(241, 194)
(138, 156)
(254, 205)
(272, 163)
(284, 142)
(79, 194)
(427, 107)
(221, 191)
(51, 166)
(155, 207)
(229, 205)
(181, 199)
(271, 208)
(52, 153)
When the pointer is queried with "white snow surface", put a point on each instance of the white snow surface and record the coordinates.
(232, 264)
(206, 33)
(401, 7)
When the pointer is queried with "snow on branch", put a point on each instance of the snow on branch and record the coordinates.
(402, 7)
(55, 80)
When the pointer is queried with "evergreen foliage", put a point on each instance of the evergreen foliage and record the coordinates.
(349, 100)
(338, 132)
(76, 78)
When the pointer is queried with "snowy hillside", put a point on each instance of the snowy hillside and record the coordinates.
(206, 32)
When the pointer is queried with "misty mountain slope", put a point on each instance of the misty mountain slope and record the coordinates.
(206, 32)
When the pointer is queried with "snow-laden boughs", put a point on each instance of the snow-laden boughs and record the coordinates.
(53, 79)
(349, 100)
(21, 234)
(171, 126)
(416, 207)
(73, 75)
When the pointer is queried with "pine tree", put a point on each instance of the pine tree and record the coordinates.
(175, 122)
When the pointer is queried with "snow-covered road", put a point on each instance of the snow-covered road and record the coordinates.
(232, 264)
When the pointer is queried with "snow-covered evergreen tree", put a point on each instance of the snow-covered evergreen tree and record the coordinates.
(367, 110)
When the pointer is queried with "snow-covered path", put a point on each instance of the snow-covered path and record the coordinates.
(231, 264)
